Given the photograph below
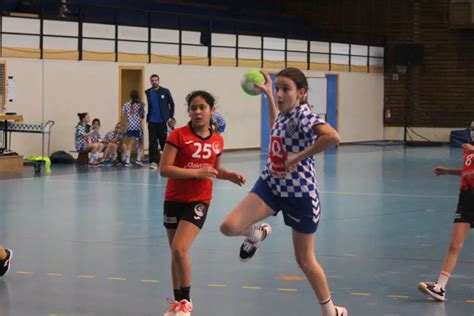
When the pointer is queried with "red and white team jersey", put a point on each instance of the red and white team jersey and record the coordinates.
(194, 152)
(467, 175)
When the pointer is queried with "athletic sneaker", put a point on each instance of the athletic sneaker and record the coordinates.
(154, 166)
(185, 308)
(5, 263)
(173, 308)
(139, 163)
(248, 248)
(107, 163)
(341, 311)
(433, 289)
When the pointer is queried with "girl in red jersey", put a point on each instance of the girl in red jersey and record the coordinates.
(463, 221)
(190, 160)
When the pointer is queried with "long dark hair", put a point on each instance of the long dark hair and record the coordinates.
(298, 78)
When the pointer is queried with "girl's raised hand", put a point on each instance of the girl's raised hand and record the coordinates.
(267, 87)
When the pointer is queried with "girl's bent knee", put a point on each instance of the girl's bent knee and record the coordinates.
(228, 229)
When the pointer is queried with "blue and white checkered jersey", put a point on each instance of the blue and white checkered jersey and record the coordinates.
(79, 138)
(96, 137)
(291, 133)
(135, 113)
(113, 135)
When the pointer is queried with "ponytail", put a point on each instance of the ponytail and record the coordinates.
(81, 116)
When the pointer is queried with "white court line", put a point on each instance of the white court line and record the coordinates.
(391, 194)
(246, 188)
(130, 183)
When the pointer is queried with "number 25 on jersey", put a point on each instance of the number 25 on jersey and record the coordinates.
(203, 151)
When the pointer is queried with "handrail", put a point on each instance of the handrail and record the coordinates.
(207, 28)
(83, 6)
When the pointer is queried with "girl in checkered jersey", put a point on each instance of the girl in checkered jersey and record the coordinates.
(133, 113)
(288, 182)
(83, 138)
(113, 143)
(96, 138)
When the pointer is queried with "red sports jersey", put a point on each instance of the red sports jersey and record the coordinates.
(194, 152)
(467, 175)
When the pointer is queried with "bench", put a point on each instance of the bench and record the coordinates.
(82, 157)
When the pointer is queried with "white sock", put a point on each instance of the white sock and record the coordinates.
(139, 154)
(327, 308)
(443, 279)
(93, 158)
(256, 234)
(127, 156)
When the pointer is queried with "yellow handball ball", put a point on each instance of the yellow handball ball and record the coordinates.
(252, 77)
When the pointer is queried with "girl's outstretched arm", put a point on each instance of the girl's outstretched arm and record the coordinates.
(441, 171)
(223, 174)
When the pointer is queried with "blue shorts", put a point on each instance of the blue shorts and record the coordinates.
(300, 213)
(133, 133)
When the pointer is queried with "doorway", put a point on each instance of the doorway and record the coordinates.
(130, 78)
